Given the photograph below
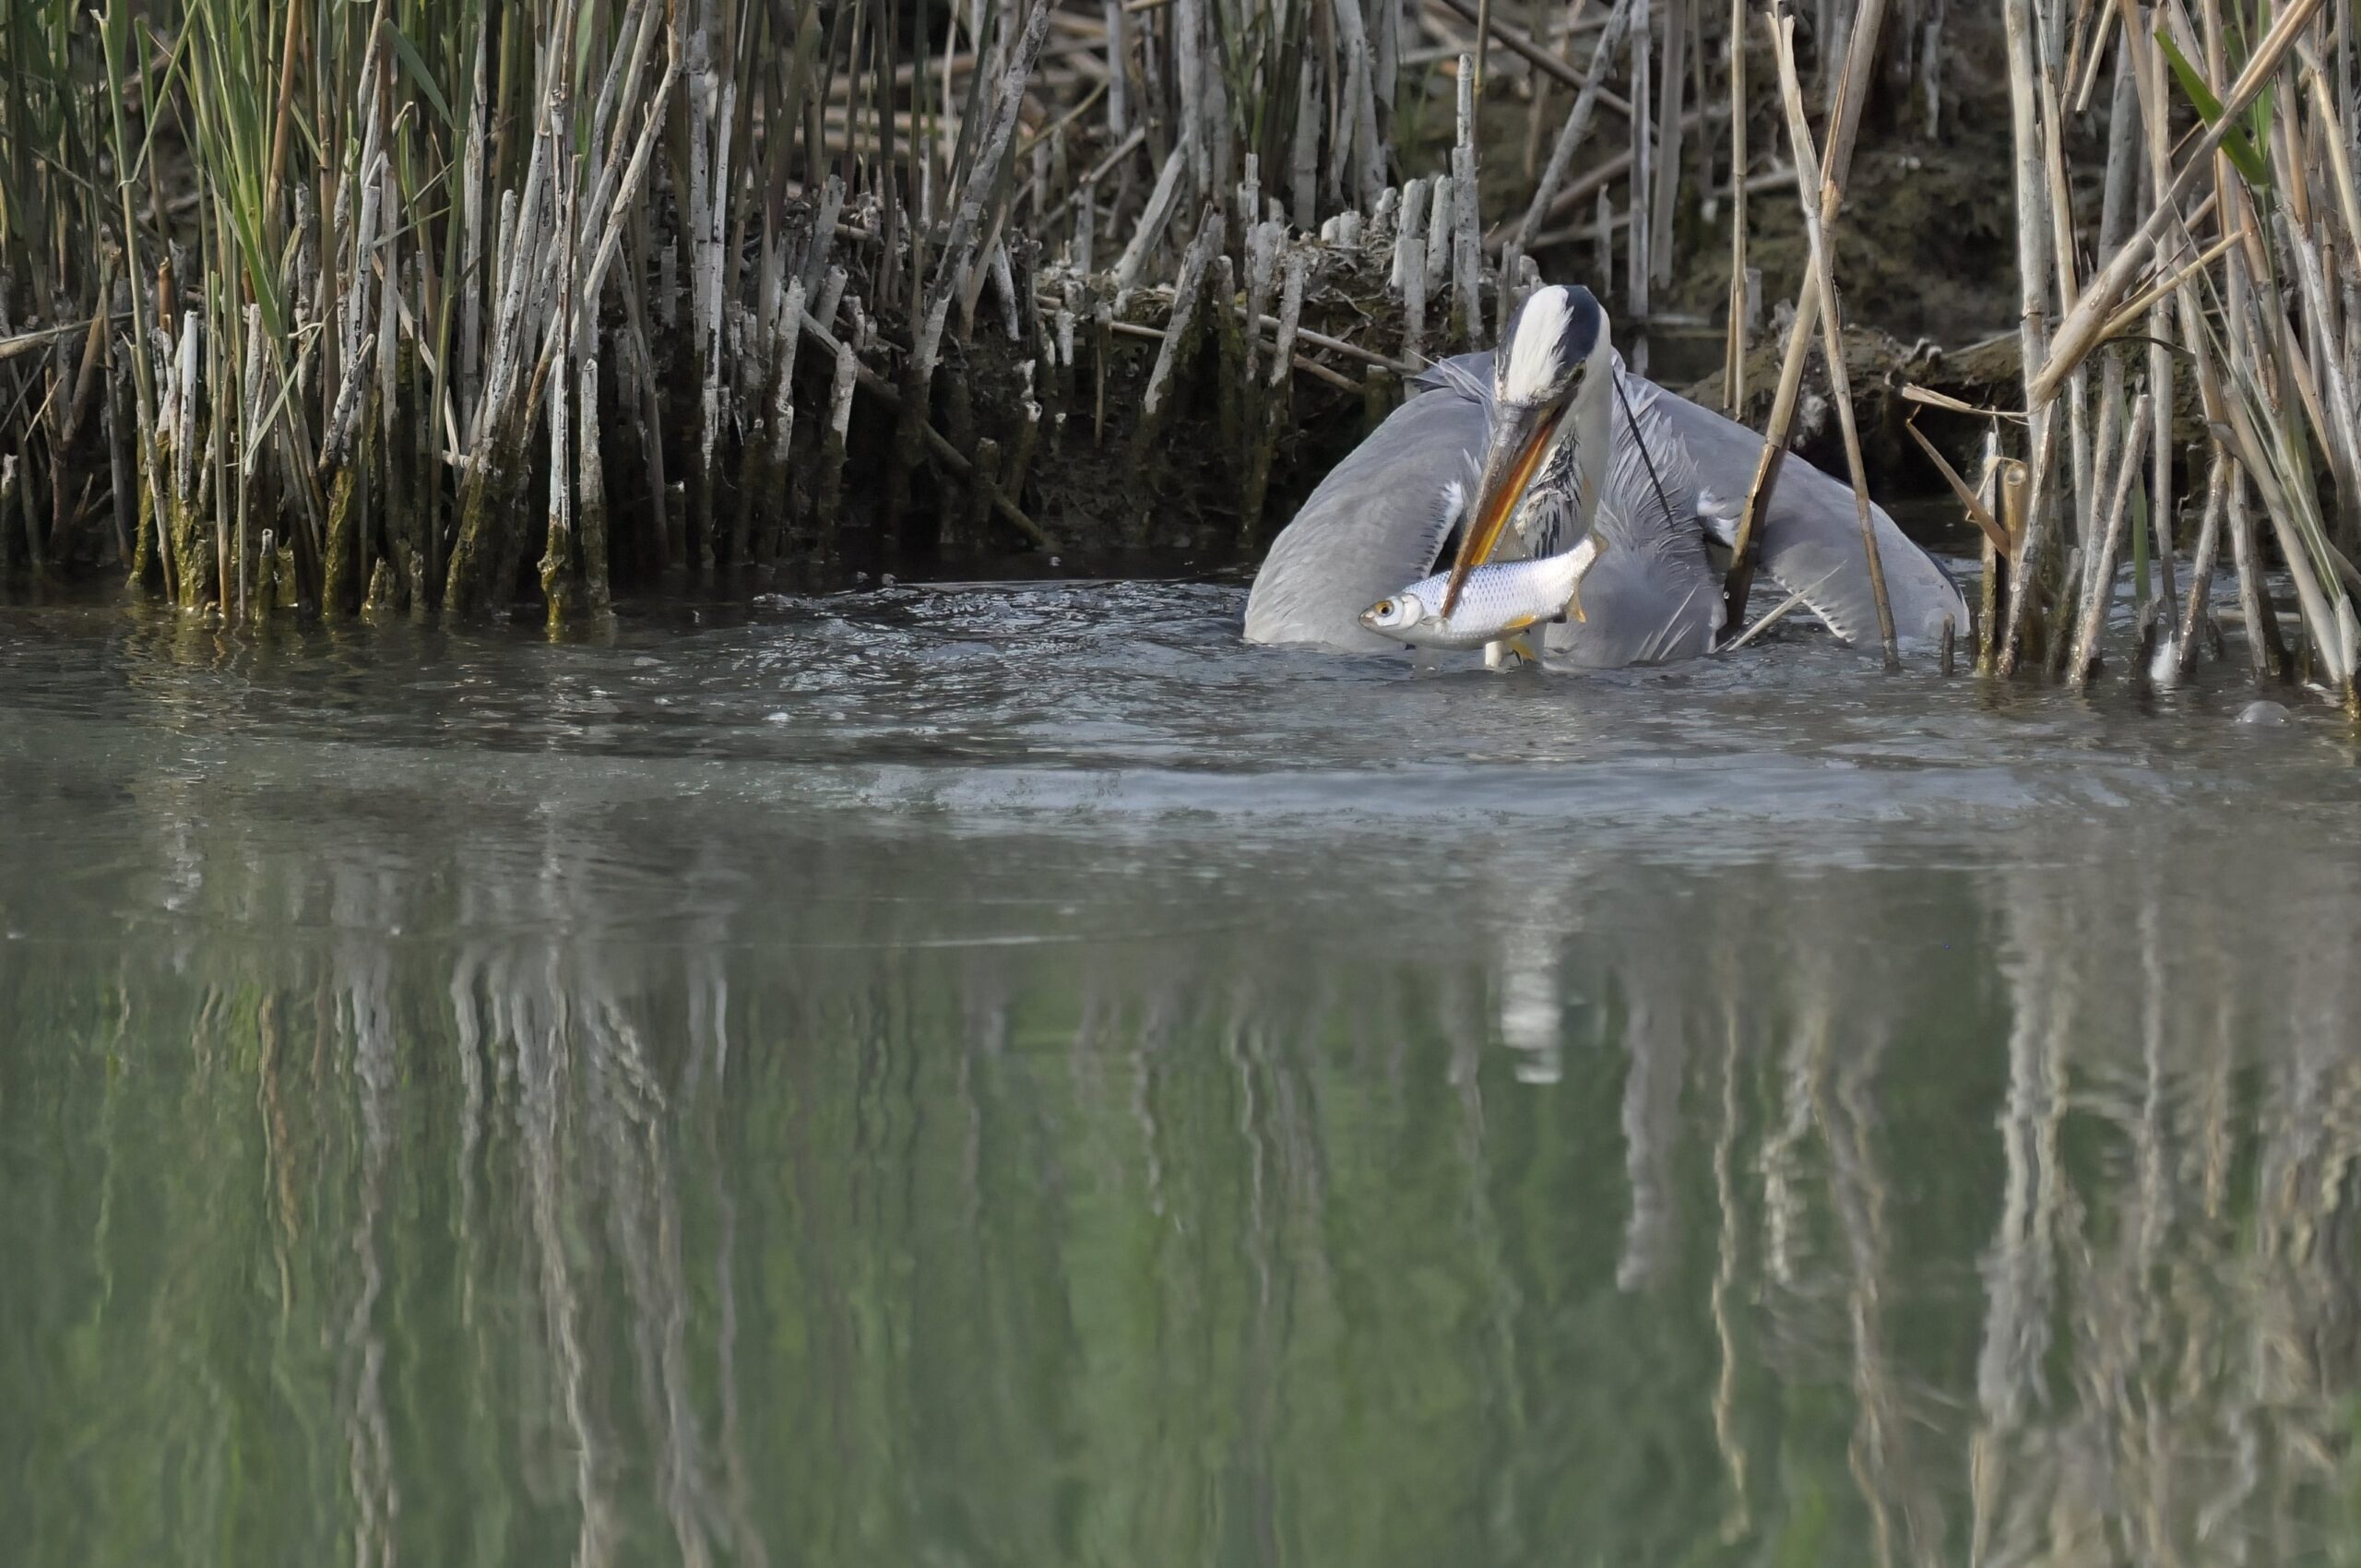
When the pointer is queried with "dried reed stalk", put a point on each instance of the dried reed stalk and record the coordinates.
(1818, 203)
(1853, 90)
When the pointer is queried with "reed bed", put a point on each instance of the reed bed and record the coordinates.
(2225, 277)
(435, 305)
(399, 306)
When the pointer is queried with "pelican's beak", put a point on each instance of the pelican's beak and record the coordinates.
(1521, 437)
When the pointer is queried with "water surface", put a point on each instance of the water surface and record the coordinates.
(1004, 1075)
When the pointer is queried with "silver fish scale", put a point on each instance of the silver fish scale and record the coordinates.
(1499, 599)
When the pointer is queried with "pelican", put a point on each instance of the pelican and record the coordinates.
(1527, 450)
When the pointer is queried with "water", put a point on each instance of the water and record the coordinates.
(1005, 1075)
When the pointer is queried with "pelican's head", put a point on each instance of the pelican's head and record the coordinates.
(1550, 385)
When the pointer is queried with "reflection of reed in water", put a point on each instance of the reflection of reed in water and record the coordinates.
(365, 1014)
(564, 1114)
(2163, 1372)
(2199, 1391)
(2019, 1269)
(752, 1243)
(598, 1129)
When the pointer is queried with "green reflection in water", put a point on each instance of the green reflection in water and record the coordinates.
(940, 1198)
(979, 1078)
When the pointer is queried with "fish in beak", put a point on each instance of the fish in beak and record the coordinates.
(1521, 438)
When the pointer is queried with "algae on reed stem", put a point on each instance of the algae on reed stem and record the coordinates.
(463, 302)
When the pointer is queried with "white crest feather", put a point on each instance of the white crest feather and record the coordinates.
(1536, 357)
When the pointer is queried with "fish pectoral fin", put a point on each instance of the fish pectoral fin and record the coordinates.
(1519, 623)
(1514, 648)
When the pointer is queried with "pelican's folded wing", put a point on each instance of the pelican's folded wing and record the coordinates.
(1373, 526)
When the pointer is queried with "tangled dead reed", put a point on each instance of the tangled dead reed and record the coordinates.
(427, 306)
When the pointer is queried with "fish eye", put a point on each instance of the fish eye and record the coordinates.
(1384, 607)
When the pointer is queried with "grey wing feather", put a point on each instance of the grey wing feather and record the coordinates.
(1654, 597)
(1375, 526)
(1470, 376)
(1641, 610)
(1811, 535)
(1652, 478)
